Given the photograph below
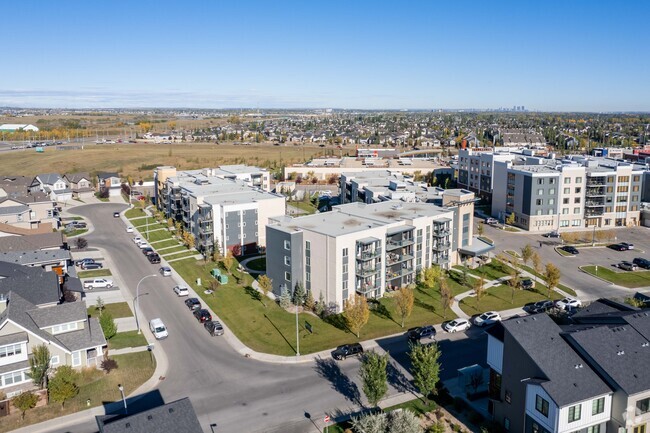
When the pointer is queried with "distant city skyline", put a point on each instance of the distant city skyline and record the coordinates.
(546, 56)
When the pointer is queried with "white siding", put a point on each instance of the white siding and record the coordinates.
(548, 423)
(586, 418)
(495, 354)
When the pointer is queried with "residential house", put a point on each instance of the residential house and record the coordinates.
(175, 417)
(55, 186)
(40, 241)
(109, 181)
(34, 284)
(27, 213)
(81, 185)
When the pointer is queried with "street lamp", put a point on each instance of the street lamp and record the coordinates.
(136, 303)
(121, 388)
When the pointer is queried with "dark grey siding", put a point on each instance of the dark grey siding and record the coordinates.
(276, 268)
(528, 185)
(249, 220)
(233, 234)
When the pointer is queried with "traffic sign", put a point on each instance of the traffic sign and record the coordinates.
(327, 418)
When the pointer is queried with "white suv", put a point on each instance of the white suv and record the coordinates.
(158, 329)
(181, 291)
(98, 283)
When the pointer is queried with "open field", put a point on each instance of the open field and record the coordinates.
(627, 279)
(139, 160)
(126, 339)
(501, 298)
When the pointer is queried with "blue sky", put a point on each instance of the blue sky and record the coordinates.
(545, 55)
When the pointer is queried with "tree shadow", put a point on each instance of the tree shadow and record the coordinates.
(340, 382)
(424, 305)
(338, 321)
(254, 294)
(380, 310)
(397, 379)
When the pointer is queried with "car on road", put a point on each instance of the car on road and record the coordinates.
(214, 327)
(129, 229)
(202, 315)
(618, 247)
(491, 221)
(417, 334)
(568, 303)
(628, 266)
(181, 291)
(540, 306)
(457, 325)
(165, 271)
(137, 240)
(91, 266)
(553, 234)
(642, 263)
(147, 250)
(487, 318)
(158, 329)
(627, 245)
(82, 262)
(116, 214)
(98, 283)
(76, 225)
(527, 284)
(143, 245)
(347, 350)
(193, 303)
(569, 249)
(154, 258)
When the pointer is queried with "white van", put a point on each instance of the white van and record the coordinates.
(158, 329)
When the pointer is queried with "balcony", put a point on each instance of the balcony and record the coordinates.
(393, 258)
(595, 181)
(594, 204)
(393, 275)
(443, 260)
(441, 233)
(206, 241)
(367, 271)
(393, 245)
(366, 289)
(441, 246)
(368, 255)
(206, 229)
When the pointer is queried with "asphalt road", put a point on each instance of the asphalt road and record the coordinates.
(240, 394)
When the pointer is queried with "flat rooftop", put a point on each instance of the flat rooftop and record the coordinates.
(329, 223)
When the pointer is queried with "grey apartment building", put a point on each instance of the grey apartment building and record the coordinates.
(475, 168)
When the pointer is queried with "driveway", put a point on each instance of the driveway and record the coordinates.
(587, 287)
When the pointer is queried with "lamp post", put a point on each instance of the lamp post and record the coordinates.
(297, 334)
(121, 388)
(136, 302)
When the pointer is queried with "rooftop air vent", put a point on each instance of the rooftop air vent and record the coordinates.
(620, 352)
(646, 344)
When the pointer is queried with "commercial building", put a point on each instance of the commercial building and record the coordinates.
(369, 248)
(228, 208)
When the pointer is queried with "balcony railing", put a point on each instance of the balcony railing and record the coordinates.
(392, 275)
(367, 288)
(441, 246)
(392, 245)
(393, 258)
(594, 204)
(443, 260)
(368, 255)
(368, 271)
(206, 229)
(441, 233)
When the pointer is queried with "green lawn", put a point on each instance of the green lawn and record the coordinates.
(158, 235)
(629, 279)
(117, 310)
(258, 264)
(172, 250)
(135, 213)
(492, 271)
(77, 232)
(567, 289)
(164, 243)
(270, 329)
(499, 298)
(187, 253)
(141, 224)
(133, 370)
(95, 273)
(308, 208)
(126, 339)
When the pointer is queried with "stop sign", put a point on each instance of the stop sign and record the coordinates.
(327, 418)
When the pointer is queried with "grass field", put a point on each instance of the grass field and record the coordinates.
(164, 243)
(173, 250)
(307, 208)
(136, 212)
(117, 310)
(629, 279)
(258, 264)
(271, 329)
(95, 273)
(186, 253)
(500, 298)
(126, 339)
(492, 271)
(141, 224)
(158, 235)
(139, 160)
(133, 370)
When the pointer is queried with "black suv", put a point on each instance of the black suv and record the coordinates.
(154, 258)
(202, 315)
(91, 266)
(527, 284)
(570, 250)
(342, 352)
(193, 304)
(416, 334)
(642, 263)
(146, 251)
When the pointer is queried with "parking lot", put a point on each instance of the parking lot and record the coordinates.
(587, 286)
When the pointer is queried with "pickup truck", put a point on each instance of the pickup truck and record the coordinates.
(98, 283)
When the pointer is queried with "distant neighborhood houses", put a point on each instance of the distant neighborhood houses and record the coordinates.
(11, 127)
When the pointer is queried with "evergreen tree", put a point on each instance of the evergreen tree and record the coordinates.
(108, 325)
(298, 295)
(285, 298)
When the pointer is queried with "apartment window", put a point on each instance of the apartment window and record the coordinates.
(624, 178)
(551, 201)
(622, 188)
(76, 359)
(578, 179)
(308, 277)
(610, 179)
(307, 246)
(287, 261)
(540, 181)
(565, 211)
(594, 429)
(576, 210)
(578, 190)
(635, 188)
(541, 405)
(508, 396)
(574, 413)
(287, 276)
(567, 190)
(540, 191)
(610, 189)
(535, 428)
(565, 200)
(636, 178)
(564, 223)
(50, 213)
(11, 350)
(54, 360)
(287, 245)
(12, 378)
(576, 223)
(345, 252)
(576, 200)
(506, 423)
(642, 406)
(345, 268)
(552, 181)
(539, 202)
(66, 327)
(567, 180)
(598, 406)
(308, 261)
(639, 429)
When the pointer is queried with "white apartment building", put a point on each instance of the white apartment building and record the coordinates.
(476, 168)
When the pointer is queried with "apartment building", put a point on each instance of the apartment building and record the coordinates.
(219, 210)
(475, 168)
(384, 185)
(588, 377)
(369, 248)
(580, 192)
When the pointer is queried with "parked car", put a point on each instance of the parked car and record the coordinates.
(147, 250)
(540, 306)
(129, 229)
(642, 263)
(137, 240)
(618, 247)
(81, 262)
(627, 245)
(487, 318)
(553, 234)
(416, 334)
(570, 250)
(181, 291)
(165, 271)
(491, 221)
(527, 284)
(202, 315)
(116, 214)
(98, 283)
(76, 225)
(143, 245)
(346, 350)
(628, 266)
(154, 258)
(457, 325)
(193, 304)
(158, 329)
(214, 327)
(91, 266)
(568, 303)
